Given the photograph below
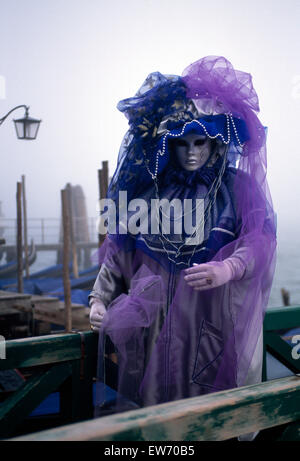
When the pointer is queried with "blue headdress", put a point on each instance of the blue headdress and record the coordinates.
(159, 111)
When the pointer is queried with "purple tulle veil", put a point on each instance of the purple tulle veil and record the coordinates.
(172, 342)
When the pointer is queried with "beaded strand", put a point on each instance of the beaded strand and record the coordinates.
(161, 152)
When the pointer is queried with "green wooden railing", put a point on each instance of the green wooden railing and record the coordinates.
(276, 321)
(219, 416)
(67, 363)
(64, 362)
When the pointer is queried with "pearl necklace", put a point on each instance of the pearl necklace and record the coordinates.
(163, 239)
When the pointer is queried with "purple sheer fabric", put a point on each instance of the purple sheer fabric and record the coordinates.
(131, 316)
(172, 341)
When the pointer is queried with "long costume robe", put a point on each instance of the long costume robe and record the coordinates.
(189, 336)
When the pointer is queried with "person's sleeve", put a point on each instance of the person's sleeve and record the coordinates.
(255, 232)
(110, 282)
(238, 265)
(109, 285)
(242, 262)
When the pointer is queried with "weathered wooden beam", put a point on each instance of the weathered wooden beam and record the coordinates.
(282, 318)
(42, 350)
(88, 370)
(10, 302)
(282, 351)
(70, 395)
(219, 416)
(53, 312)
(22, 402)
(11, 295)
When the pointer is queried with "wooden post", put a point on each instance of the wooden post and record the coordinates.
(285, 297)
(19, 238)
(72, 234)
(105, 177)
(103, 186)
(100, 236)
(66, 248)
(43, 230)
(25, 227)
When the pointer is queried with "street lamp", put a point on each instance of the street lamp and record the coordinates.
(26, 127)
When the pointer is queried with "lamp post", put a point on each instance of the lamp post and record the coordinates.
(26, 127)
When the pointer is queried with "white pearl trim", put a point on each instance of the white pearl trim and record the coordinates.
(229, 118)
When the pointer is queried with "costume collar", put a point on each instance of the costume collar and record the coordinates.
(205, 174)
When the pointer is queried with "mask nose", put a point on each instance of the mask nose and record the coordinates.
(191, 149)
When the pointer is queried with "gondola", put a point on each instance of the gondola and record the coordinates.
(10, 269)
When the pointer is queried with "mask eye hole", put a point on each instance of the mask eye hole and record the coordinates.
(200, 142)
(181, 143)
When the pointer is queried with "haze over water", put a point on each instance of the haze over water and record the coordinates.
(71, 61)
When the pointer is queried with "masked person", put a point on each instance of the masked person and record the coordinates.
(188, 261)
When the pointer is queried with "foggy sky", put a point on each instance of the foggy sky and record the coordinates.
(71, 61)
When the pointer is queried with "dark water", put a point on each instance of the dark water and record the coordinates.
(287, 272)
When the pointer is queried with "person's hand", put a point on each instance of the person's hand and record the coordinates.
(208, 275)
(97, 312)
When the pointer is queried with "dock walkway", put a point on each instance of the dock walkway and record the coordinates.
(43, 308)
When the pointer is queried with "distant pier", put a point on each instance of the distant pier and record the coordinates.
(53, 246)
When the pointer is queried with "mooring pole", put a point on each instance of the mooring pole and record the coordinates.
(25, 226)
(72, 233)
(19, 238)
(103, 186)
(66, 252)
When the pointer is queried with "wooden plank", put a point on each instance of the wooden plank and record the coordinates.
(282, 318)
(28, 352)
(12, 303)
(77, 392)
(88, 371)
(11, 295)
(6, 309)
(73, 306)
(80, 316)
(37, 299)
(22, 402)
(70, 394)
(49, 309)
(219, 416)
(282, 351)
